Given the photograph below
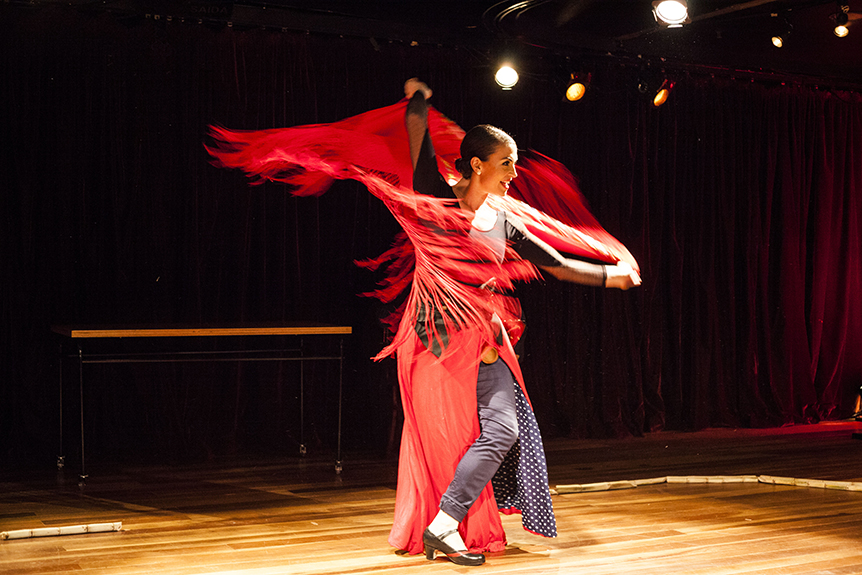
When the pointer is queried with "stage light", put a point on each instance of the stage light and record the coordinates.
(781, 28)
(656, 87)
(841, 19)
(575, 91)
(662, 94)
(506, 77)
(577, 87)
(670, 13)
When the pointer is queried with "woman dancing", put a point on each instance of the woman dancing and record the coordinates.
(470, 445)
(488, 167)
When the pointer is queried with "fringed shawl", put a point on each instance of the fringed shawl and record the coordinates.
(436, 256)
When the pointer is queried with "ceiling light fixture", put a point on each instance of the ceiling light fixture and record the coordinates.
(663, 92)
(506, 77)
(670, 13)
(577, 87)
(655, 86)
(781, 31)
(841, 20)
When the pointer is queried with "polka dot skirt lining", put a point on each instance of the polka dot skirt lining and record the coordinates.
(521, 482)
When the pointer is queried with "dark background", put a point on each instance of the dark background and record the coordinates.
(740, 198)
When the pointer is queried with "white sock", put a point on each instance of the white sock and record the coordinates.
(442, 523)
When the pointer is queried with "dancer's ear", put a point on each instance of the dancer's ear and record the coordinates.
(476, 164)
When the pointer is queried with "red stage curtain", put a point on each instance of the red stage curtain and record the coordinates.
(739, 199)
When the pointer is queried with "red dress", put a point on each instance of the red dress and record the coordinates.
(440, 424)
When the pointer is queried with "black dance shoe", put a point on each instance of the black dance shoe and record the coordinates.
(435, 543)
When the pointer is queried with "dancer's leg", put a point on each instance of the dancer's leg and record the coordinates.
(499, 430)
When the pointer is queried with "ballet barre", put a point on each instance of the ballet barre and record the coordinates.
(81, 334)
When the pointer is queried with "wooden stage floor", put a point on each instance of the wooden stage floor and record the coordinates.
(296, 516)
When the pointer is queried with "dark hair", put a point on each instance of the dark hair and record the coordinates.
(480, 142)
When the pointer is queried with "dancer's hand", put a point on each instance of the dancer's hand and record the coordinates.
(622, 276)
(413, 85)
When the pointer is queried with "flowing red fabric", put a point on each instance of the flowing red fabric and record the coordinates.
(374, 146)
(375, 142)
(309, 157)
(548, 186)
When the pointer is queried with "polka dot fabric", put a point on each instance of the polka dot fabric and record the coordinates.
(521, 482)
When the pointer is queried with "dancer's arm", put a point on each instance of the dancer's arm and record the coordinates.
(554, 260)
(416, 118)
(620, 276)
(426, 176)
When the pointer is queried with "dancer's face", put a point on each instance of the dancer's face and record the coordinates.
(497, 172)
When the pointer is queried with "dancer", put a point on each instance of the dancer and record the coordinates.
(488, 167)
(470, 444)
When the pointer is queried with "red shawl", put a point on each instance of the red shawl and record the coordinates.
(373, 148)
